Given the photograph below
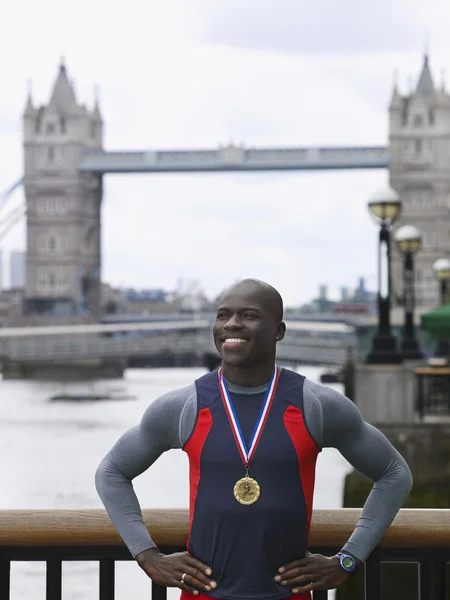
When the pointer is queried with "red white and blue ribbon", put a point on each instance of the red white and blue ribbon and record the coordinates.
(247, 453)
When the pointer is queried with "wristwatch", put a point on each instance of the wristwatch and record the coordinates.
(347, 562)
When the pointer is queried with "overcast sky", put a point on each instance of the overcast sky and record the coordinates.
(199, 73)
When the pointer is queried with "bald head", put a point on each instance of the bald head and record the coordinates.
(267, 295)
(248, 326)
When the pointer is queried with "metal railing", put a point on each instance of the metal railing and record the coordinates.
(416, 536)
(83, 347)
(295, 349)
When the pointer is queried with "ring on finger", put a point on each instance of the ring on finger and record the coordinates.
(182, 577)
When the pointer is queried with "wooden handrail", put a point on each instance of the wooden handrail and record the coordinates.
(433, 371)
(412, 528)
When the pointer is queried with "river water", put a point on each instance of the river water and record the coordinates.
(50, 451)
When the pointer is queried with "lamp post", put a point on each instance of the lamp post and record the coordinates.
(385, 207)
(441, 270)
(408, 241)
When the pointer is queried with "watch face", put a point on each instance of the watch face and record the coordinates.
(347, 562)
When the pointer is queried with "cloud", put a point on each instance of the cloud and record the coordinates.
(310, 29)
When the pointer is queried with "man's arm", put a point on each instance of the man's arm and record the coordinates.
(334, 421)
(165, 425)
(370, 453)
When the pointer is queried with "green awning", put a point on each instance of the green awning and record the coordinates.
(437, 321)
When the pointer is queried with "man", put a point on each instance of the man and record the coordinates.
(252, 432)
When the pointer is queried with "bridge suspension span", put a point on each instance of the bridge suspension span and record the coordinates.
(15, 215)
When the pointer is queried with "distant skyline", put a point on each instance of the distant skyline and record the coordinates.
(192, 74)
(11, 261)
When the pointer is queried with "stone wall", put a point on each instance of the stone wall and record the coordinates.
(386, 394)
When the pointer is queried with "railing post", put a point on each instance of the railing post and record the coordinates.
(5, 579)
(158, 592)
(372, 580)
(432, 579)
(107, 579)
(420, 400)
(54, 580)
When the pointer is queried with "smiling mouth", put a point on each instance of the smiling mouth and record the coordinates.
(235, 340)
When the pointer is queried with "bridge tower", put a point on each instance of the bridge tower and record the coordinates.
(419, 150)
(63, 209)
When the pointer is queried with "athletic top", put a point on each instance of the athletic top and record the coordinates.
(245, 545)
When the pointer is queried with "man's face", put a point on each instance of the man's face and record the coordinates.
(244, 330)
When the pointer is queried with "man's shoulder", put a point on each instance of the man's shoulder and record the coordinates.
(336, 409)
(170, 411)
(292, 376)
(207, 387)
(174, 399)
(321, 392)
(290, 385)
(210, 376)
(327, 399)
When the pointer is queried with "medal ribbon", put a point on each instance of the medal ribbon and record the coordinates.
(248, 453)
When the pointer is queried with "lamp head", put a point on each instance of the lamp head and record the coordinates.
(441, 268)
(385, 206)
(408, 239)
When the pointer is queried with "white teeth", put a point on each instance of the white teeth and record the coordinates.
(234, 341)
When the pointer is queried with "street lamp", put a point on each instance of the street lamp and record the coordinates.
(441, 270)
(385, 207)
(408, 241)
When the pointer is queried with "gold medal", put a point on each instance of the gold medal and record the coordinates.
(247, 490)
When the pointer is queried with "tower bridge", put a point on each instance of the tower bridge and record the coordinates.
(234, 158)
(65, 162)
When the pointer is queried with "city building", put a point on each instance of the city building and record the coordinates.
(358, 301)
(63, 208)
(130, 301)
(345, 294)
(10, 306)
(17, 269)
(361, 302)
(419, 154)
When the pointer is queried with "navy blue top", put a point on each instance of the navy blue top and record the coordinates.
(246, 544)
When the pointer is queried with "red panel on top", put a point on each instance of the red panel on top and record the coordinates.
(193, 449)
(307, 451)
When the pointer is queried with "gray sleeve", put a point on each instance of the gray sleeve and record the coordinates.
(165, 425)
(335, 422)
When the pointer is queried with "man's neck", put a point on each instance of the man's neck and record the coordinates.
(248, 376)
